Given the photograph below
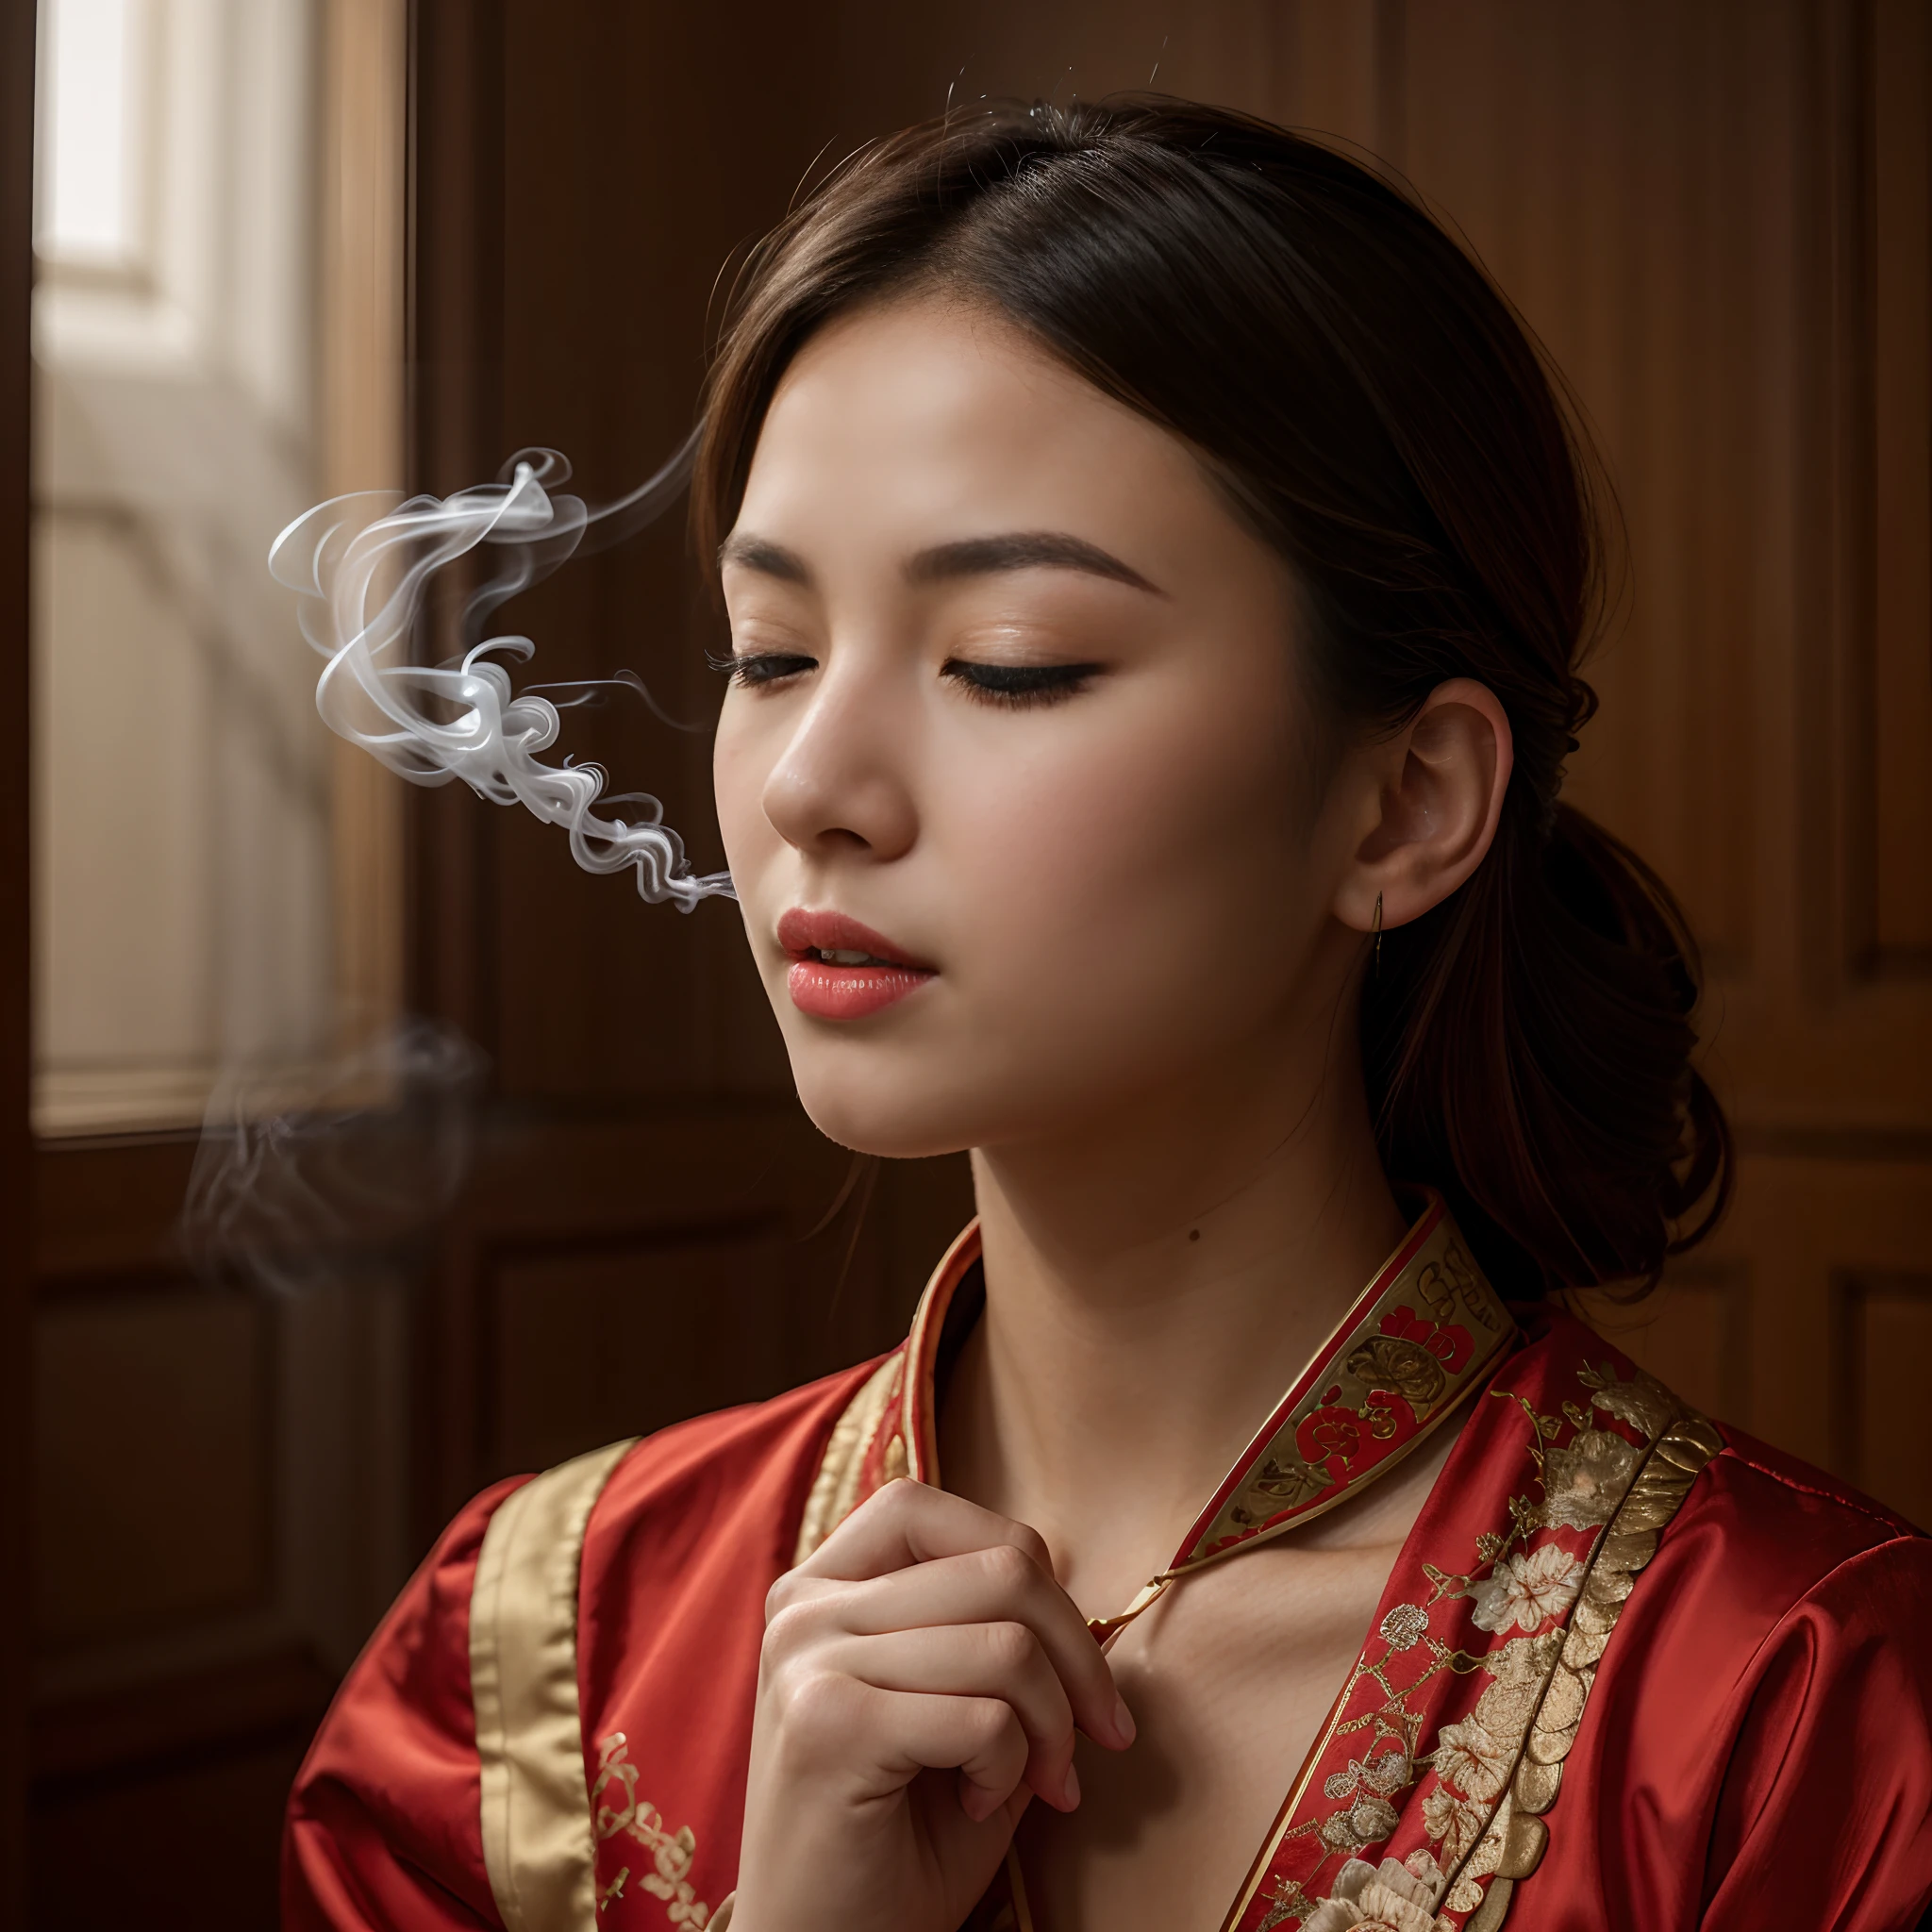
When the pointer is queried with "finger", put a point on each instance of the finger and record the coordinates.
(979, 1660)
(979, 1737)
(990, 1586)
(908, 1523)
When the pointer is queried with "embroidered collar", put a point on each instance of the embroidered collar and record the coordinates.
(1419, 1337)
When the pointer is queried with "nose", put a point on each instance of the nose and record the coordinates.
(841, 787)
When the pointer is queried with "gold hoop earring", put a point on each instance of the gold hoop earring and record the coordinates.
(1376, 930)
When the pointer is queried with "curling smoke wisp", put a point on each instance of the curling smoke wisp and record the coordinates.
(362, 566)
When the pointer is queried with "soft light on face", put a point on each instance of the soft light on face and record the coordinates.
(1016, 712)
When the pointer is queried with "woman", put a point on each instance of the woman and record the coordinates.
(1157, 566)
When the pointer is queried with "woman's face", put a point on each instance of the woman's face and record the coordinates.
(1012, 771)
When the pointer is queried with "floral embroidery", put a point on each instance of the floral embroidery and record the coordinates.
(1278, 1486)
(1451, 1345)
(1526, 1591)
(1332, 1438)
(1549, 1586)
(1404, 1627)
(671, 1852)
(1584, 1483)
(1366, 1822)
(1421, 1334)
(1392, 1897)
(1472, 1760)
(1452, 1276)
(1410, 1369)
(1452, 1823)
(1643, 1403)
(1466, 1890)
(1380, 1774)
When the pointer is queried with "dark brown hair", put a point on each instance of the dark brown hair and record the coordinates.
(1381, 418)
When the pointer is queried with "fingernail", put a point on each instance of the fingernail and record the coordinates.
(1122, 1719)
(1073, 1791)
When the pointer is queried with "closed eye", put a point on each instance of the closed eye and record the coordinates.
(1016, 685)
(747, 668)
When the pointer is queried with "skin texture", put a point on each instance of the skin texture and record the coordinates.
(1144, 898)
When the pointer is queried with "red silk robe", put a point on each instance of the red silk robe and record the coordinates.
(1631, 1669)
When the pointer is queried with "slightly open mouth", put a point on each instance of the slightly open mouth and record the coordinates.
(843, 983)
(832, 956)
(844, 969)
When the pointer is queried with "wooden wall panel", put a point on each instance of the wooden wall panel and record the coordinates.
(614, 226)
(1597, 159)
(203, 1842)
(893, 64)
(1882, 1344)
(595, 1345)
(632, 1272)
(218, 1522)
(1895, 663)
(154, 1462)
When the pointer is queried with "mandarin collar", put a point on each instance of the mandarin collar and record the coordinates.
(1413, 1345)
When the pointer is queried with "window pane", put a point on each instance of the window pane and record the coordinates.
(189, 802)
(86, 206)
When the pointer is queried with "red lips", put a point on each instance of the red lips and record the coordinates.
(849, 990)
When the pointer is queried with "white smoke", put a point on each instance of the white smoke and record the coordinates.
(295, 1187)
(362, 566)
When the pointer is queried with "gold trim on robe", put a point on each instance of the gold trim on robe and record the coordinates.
(539, 1845)
(1418, 1340)
(835, 1488)
(1481, 1735)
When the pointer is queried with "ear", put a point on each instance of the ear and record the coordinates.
(1438, 787)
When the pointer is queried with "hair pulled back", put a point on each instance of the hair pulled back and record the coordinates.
(1378, 415)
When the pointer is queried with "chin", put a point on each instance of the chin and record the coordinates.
(871, 1115)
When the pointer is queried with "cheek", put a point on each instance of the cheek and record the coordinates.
(740, 764)
(1144, 883)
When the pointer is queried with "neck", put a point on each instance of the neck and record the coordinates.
(1155, 1281)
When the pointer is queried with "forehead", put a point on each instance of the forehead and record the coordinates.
(931, 416)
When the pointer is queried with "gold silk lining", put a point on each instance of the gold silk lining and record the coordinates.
(835, 1488)
(538, 1847)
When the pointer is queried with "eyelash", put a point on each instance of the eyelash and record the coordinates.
(1019, 686)
(1014, 685)
(749, 667)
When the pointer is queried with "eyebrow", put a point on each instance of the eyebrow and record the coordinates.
(768, 560)
(973, 557)
(976, 556)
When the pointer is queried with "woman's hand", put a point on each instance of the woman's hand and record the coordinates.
(922, 1679)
